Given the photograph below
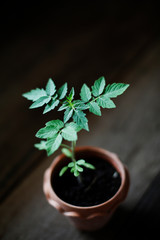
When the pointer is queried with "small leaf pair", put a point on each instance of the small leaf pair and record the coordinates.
(76, 167)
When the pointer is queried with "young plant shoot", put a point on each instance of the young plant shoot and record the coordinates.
(74, 120)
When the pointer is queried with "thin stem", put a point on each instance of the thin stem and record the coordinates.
(73, 145)
(93, 100)
(66, 146)
(71, 105)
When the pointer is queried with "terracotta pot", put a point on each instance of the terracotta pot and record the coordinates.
(94, 217)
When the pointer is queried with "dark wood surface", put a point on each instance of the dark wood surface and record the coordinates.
(77, 45)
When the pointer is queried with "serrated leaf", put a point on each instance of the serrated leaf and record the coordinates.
(53, 144)
(80, 105)
(56, 124)
(41, 145)
(46, 132)
(64, 106)
(115, 89)
(71, 94)
(62, 91)
(51, 105)
(80, 119)
(85, 93)
(40, 102)
(105, 102)
(50, 87)
(69, 133)
(35, 94)
(63, 170)
(66, 152)
(94, 108)
(68, 114)
(98, 86)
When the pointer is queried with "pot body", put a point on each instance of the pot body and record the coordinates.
(94, 217)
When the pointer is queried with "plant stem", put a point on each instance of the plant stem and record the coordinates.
(73, 151)
(66, 146)
(94, 99)
(79, 178)
(71, 104)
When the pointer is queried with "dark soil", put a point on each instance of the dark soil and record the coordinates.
(98, 185)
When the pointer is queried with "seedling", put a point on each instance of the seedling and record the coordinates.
(74, 120)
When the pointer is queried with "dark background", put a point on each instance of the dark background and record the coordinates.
(16, 17)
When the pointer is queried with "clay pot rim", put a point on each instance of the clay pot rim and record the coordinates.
(112, 158)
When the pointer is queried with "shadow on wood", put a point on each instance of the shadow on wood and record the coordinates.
(140, 223)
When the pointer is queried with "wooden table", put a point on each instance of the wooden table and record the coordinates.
(120, 43)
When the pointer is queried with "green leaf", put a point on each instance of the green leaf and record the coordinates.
(80, 105)
(53, 144)
(50, 87)
(80, 119)
(51, 105)
(71, 94)
(69, 133)
(46, 132)
(80, 162)
(35, 94)
(63, 170)
(75, 168)
(80, 169)
(40, 102)
(72, 169)
(115, 89)
(104, 102)
(62, 91)
(85, 93)
(41, 145)
(64, 106)
(66, 152)
(89, 165)
(68, 114)
(74, 126)
(98, 86)
(76, 173)
(71, 164)
(56, 124)
(94, 108)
